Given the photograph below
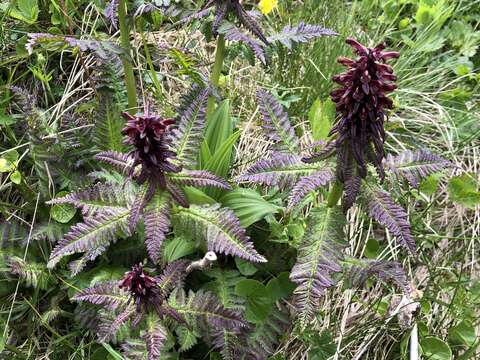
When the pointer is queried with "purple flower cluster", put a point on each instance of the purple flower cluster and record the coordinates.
(143, 288)
(361, 105)
(147, 134)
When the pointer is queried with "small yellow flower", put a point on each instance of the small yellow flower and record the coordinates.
(266, 6)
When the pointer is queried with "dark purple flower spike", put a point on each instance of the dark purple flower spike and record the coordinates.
(147, 134)
(362, 104)
(144, 289)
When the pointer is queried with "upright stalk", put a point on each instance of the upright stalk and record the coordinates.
(127, 65)
(335, 194)
(217, 70)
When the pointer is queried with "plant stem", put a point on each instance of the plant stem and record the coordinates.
(335, 194)
(127, 65)
(217, 70)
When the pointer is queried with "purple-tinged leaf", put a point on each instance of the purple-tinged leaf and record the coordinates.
(280, 169)
(120, 161)
(318, 257)
(264, 339)
(352, 183)
(199, 178)
(145, 194)
(229, 343)
(157, 223)
(221, 230)
(414, 166)
(107, 330)
(172, 276)
(307, 184)
(188, 135)
(387, 271)
(108, 294)
(178, 195)
(300, 34)
(92, 233)
(155, 337)
(249, 22)
(276, 124)
(99, 198)
(77, 266)
(206, 310)
(325, 152)
(111, 11)
(232, 33)
(382, 208)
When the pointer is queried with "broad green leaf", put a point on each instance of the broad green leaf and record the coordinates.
(115, 355)
(197, 196)
(248, 205)
(25, 10)
(177, 248)
(259, 303)
(429, 185)
(219, 163)
(245, 267)
(62, 213)
(219, 127)
(434, 348)
(463, 333)
(321, 116)
(280, 287)
(8, 161)
(16, 177)
(464, 190)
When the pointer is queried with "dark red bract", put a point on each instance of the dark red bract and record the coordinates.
(361, 105)
(143, 288)
(147, 134)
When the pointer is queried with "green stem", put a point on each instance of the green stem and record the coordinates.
(335, 194)
(217, 70)
(127, 65)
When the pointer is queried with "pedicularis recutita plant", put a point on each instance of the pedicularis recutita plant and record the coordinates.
(155, 198)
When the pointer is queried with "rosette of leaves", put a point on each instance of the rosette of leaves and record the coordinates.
(230, 17)
(319, 254)
(162, 163)
(145, 302)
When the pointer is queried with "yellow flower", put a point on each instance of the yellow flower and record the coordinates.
(266, 6)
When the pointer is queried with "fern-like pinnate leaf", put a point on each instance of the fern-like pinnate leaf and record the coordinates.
(221, 230)
(352, 183)
(93, 232)
(228, 343)
(143, 197)
(382, 208)
(264, 339)
(233, 33)
(276, 123)
(300, 34)
(108, 294)
(100, 197)
(281, 170)
(205, 310)
(307, 184)
(108, 329)
(172, 277)
(414, 166)
(154, 338)
(318, 257)
(186, 138)
(387, 271)
(120, 161)
(33, 274)
(157, 223)
(199, 178)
